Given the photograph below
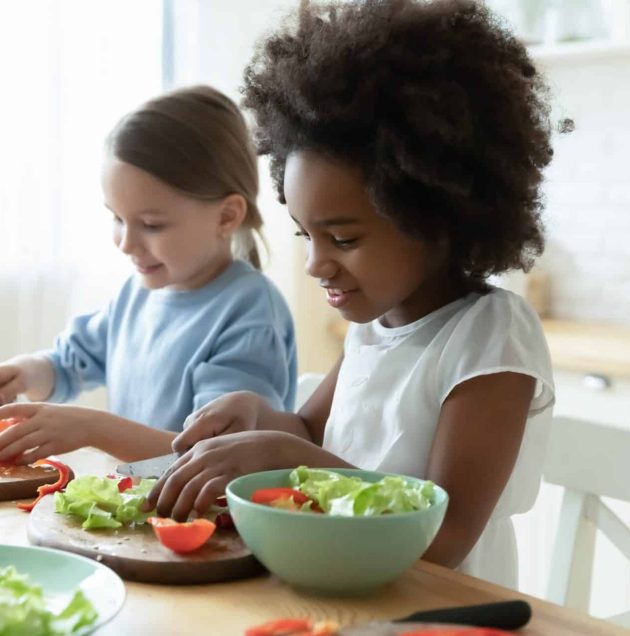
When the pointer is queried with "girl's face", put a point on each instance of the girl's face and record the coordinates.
(174, 241)
(368, 267)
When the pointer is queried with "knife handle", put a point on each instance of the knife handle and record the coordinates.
(503, 615)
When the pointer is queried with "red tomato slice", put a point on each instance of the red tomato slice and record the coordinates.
(182, 537)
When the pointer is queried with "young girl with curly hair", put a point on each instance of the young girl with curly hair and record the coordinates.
(408, 141)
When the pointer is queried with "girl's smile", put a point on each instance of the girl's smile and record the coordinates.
(147, 270)
(337, 298)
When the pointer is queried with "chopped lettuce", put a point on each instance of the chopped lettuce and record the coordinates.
(23, 609)
(98, 502)
(337, 494)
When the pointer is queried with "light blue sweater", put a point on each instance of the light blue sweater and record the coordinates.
(163, 354)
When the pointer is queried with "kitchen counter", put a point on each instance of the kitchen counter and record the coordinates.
(229, 608)
(589, 347)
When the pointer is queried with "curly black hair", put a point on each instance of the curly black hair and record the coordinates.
(436, 102)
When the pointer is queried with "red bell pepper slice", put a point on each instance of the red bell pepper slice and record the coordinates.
(221, 501)
(279, 497)
(124, 484)
(182, 537)
(293, 627)
(48, 489)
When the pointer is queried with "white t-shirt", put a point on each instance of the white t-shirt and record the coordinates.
(393, 382)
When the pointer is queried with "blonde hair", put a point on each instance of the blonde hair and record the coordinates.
(196, 140)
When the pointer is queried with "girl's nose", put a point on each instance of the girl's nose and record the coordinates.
(319, 264)
(125, 240)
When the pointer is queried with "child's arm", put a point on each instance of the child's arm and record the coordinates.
(475, 448)
(31, 375)
(51, 429)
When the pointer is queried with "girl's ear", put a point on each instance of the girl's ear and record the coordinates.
(232, 214)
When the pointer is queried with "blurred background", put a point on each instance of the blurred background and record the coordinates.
(71, 68)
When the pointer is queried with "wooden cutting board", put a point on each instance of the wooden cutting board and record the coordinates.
(137, 555)
(21, 482)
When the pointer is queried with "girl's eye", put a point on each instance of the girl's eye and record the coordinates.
(303, 234)
(343, 242)
(152, 228)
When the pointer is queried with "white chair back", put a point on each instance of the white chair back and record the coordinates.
(306, 385)
(590, 460)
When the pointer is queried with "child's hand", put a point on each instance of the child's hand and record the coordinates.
(201, 475)
(31, 375)
(47, 429)
(231, 413)
(12, 382)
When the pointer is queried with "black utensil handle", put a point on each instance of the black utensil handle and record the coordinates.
(503, 615)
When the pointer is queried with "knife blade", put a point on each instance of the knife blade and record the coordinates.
(506, 615)
(152, 467)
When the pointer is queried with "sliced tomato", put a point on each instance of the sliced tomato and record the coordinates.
(182, 537)
(47, 489)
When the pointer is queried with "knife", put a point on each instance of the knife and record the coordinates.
(152, 467)
(506, 615)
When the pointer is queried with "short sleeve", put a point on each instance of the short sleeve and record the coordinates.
(79, 356)
(498, 333)
(249, 358)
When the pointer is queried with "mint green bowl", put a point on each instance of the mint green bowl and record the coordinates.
(326, 554)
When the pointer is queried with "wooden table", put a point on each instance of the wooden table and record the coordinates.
(227, 609)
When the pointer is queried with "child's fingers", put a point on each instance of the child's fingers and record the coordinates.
(20, 446)
(188, 495)
(208, 494)
(41, 452)
(23, 410)
(14, 433)
(198, 426)
(175, 483)
(11, 389)
(153, 496)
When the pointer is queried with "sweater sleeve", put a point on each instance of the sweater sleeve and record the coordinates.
(79, 356)
(254, 358)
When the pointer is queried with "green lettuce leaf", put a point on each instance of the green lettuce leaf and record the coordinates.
(23, 609)
(97, 501)
(337, 494)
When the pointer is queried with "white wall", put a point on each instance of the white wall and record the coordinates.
(588, 191)
(216, 54)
